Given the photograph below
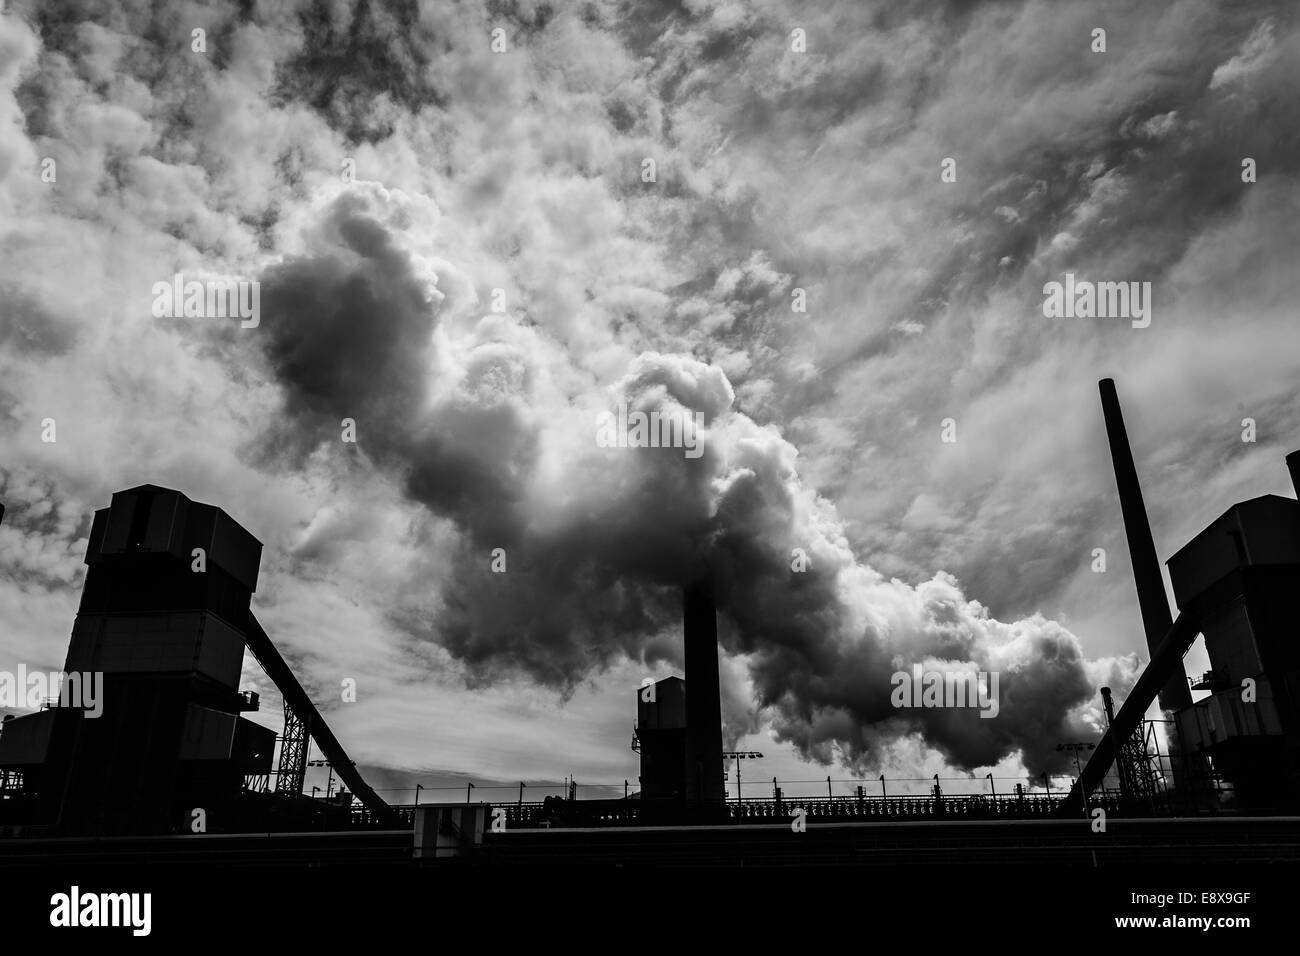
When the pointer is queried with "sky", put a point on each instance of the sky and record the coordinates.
(825, 231)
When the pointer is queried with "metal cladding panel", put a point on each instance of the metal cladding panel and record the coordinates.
(154, 517)
(148, 644)
(1223, 717)
(1260, 532)
(221, 652)
(95, 546)
(254, 746)
(1190, 728)
(1230, 643)
(25, 740)
(118, 528)
(1207, 558)
(667, 711)
(157, 644)
(81, 648)
(208, 734)
(163, 521)
(166, 524)
(663, 763)
(1271, 528)
(235, 550)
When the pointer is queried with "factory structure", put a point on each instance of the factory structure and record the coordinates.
(1235, 583)
(679, 734)
(166, 616)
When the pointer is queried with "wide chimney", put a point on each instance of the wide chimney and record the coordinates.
(703, 696)
(1156, 619)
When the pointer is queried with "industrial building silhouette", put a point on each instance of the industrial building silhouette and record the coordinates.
(166, 615)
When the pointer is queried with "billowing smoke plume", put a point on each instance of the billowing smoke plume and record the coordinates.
(489, 423)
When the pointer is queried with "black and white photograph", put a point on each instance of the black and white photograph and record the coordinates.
(729, 467)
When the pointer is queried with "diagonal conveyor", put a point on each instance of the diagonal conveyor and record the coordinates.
(1167, 659)
(275, 667)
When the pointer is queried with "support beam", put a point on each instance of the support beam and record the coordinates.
(1167, 657)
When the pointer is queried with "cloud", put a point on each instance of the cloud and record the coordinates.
(498, 274)
(1254, 54)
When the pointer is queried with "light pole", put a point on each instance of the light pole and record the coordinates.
(1075, 749)
(738, 755)
(468, 788)
(418, 788)
(992, 789)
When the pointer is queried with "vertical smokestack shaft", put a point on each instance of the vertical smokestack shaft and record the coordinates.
(1156, 619)
(703, 695)
(1109, 704)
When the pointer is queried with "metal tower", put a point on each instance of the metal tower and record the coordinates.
(292, 768)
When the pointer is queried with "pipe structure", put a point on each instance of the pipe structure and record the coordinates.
(1168, 657)
(1156, 619)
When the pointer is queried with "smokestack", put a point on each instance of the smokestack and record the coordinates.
(1109, 704)
(1156, 619)
(1292, 465)
(703, 694)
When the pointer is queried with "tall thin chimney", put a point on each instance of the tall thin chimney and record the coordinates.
(703, 695)
(1156, 619)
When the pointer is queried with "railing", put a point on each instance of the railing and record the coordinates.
(555, 812)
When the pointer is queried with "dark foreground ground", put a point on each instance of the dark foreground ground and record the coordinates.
(978, 883)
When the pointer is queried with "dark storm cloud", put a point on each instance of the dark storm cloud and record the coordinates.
(596, 555)
(345, 64)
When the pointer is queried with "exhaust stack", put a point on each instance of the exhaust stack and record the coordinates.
(1156, 619)
(703, 695)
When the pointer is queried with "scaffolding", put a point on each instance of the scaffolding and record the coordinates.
(1138, 763)
(292, 768)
